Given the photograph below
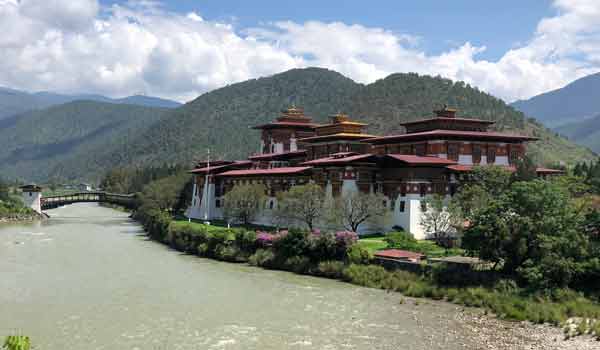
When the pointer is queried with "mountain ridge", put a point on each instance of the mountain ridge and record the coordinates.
(14, 102)
(574, 102)
(221, 120)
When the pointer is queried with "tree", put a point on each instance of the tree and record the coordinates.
(534, 231)
(482, 185)
(304, 203)
(526, 169)
(4, 191)
(357, 208)
(164, 194)
(441, 219)
(243, 202)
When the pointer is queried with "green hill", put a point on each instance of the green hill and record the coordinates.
(66, 141)
(46, 146)
(575, 102)
(585, 133)
(221, 119)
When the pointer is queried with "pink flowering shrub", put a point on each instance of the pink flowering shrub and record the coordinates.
(345, 239)
(266, 239)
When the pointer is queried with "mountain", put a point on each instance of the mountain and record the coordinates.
(13, 102)
(221, 119)
(586, 133)
(577, 101)
(69, 138)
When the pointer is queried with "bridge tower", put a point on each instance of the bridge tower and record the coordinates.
(32, 197)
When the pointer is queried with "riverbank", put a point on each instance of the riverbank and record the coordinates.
(16, 218)
(320, 256)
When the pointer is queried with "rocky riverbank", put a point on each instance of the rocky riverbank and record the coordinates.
(494, 334)
(21, 218)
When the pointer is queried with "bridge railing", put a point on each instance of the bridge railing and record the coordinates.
(82, 197)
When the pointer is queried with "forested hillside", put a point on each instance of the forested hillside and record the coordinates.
(221, 119)
(586, 133)
(14, 102)
(575, 102)
(66, 141)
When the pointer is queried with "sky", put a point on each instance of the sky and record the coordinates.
(181, 49)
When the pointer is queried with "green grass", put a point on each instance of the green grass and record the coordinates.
(432, 250)
(372, 244)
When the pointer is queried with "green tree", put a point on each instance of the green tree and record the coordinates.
(533, 231)
(481, 186)
(4, 191)
(353, 210)
(164, 194)
(244, 202)
(303, 203)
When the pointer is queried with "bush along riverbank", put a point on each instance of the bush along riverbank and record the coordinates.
(335, 255)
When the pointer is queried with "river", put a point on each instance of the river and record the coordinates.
(89, 279)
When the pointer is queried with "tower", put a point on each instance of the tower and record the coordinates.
(32, 197)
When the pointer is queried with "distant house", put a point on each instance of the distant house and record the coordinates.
(84, 187)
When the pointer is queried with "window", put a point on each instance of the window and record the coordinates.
(218, 203)
(491, 154)
(476, 154)
(271, 205)
(452, 151)
(423, 190)
(402, 206)
(514, 156)
(421, 149)
(392, 204)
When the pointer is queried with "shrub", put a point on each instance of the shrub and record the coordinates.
(297, 264)
(17, 342)
(324, 247)
(331, 269)
(263, 258)
(401, 240)
(359, 255)
(295, 243)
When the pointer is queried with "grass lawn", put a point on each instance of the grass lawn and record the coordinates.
(372, 244)
(429, 248)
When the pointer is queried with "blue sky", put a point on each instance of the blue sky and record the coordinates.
(180, 49)
(498, 25)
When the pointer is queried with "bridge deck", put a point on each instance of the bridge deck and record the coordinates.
(50, 202)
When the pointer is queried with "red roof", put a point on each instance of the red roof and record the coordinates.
(220, 167)
(433, 134)
(418, 160)
(272, 171)
(511, 168)
(479, 121)
(273, 125)
(338, 159)
(399, 254)
(265, 156)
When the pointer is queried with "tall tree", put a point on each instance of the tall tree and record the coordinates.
(303, 203)
(243, 202)
(358, 208)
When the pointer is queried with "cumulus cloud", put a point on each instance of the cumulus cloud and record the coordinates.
(139, 47)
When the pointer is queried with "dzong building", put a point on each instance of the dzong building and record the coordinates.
(429, 157)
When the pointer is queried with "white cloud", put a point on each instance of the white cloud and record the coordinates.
(66, 45)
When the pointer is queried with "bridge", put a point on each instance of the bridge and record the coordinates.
(50, 202)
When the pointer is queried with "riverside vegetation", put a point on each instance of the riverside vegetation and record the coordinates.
(11, 206)
(540, 237)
